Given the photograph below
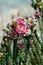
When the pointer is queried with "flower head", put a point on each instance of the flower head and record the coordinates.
(37, 15)
(13, 34)
(30, 20)
(21, 28)
(20, 20)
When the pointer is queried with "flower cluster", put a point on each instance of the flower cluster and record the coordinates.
(19, 27)
(22, 27)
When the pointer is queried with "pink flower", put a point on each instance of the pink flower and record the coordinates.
(13, 34)
(37, 15)
(21, 28)
(20, 20)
